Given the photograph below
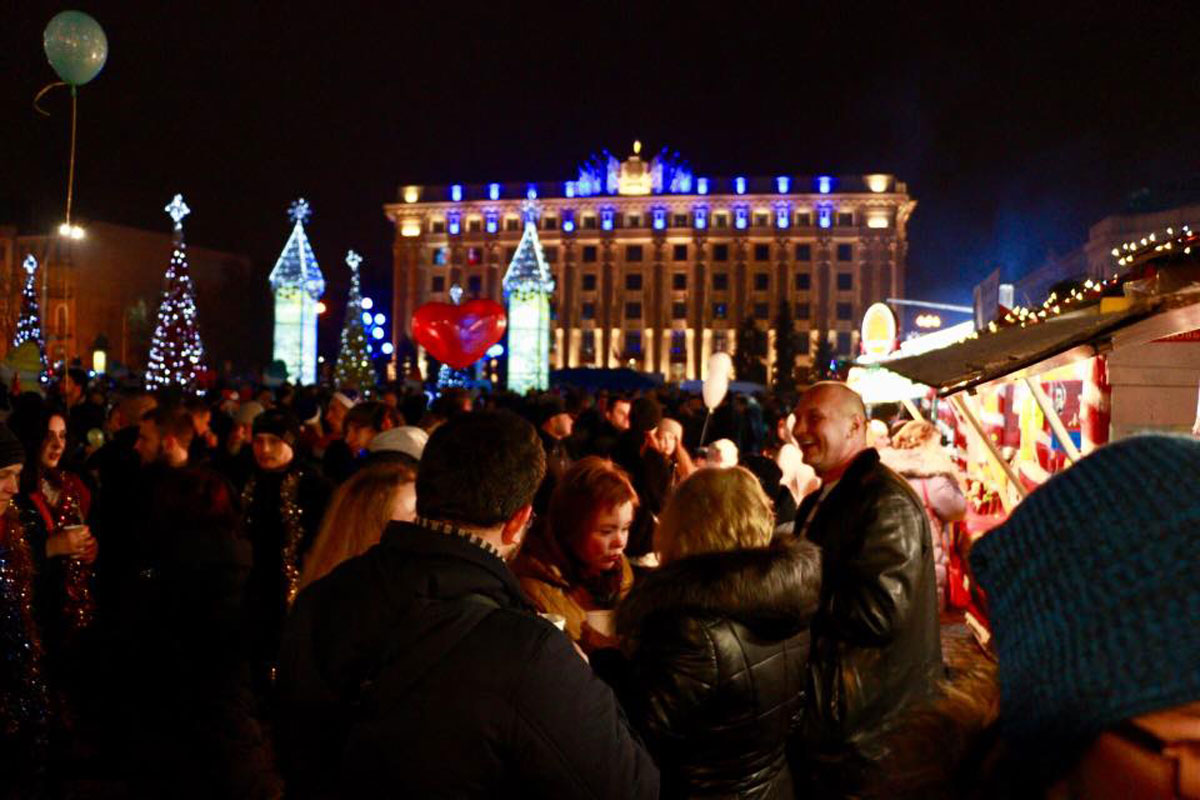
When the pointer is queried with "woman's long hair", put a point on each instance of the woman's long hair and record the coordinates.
(360, 510)
(712, 511)
(30, 421)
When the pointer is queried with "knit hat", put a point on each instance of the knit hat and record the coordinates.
(11, 451)
(308, 410)
(546, 407)
(1094, 594)
(247, 412)
(406, 440)
(278, 423)
(644, 415)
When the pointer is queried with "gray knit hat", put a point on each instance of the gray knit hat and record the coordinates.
(1093, 590)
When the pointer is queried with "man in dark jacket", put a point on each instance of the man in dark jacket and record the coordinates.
(420, 670)
(876, 636)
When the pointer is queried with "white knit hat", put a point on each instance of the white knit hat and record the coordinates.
(407, 439)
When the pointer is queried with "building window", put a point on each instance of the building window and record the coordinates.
(804, 252)
(679, 221)
(720, 310)
(589, 222)
(475, 225)
(679, 281)
(439, 226)
(804, 219)
(720, 281)
(633, 281)
(633, 311)
(843, 343)
(475, 285)
(551, 254)
(762, 252)
(550, 223)
(588, 311)
(589, 341)
(762, 220)
(679, 252)
(760, 311)
(439, 256)
(720, 252)
(803, 310)
(678, 346)
(633, 342)
(845, 281)
(679, 310)
(845, 252)
(844, 311)
(845, 220)
(762, 281)
(474, 255)
(589, 253)
(633, 252)
(589, 282)
(439, 283)
(509, 252)
(634, 221)
(720, 220)
(803, 281)
(512, 224)
(720, 339)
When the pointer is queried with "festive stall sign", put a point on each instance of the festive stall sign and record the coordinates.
(459, 335)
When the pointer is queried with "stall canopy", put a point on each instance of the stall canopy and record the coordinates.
(1016, 352)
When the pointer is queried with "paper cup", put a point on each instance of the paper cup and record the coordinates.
(603, 621)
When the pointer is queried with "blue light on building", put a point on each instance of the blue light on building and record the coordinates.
(568, 221)
(825, 217)
(493, 223)
(531, 193)
(783, 217)
(606, 219)
(701, 185)
(783, 184)
(739, 185)
(454, 223)
(660, 219)
(824, 184)
(494, 191)
(741, 218)
(700, 218)
(569, 188)
(456, 193)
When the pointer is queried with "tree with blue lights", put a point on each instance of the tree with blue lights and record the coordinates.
(176, 352)
(29, 325)
(353, 368)
(528, 287)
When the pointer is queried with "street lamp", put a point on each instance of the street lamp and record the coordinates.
(100, 355)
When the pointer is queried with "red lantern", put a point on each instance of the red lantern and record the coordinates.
(459, 335)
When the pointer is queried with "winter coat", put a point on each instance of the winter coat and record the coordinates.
(876, 635)
(717, 645)
(418, 669)
(544, 584)
(652, 477)
(934, 478)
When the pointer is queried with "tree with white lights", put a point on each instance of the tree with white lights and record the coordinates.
(528, 288)
(176, 352)
(354, 369)
(297, 284)
(29, 325)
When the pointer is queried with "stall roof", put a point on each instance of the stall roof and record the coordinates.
(1018, 352)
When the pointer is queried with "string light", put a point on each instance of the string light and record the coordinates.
(176, 350)
(297, 284)
(353, 368)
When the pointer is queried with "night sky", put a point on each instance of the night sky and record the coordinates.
(1014, 132)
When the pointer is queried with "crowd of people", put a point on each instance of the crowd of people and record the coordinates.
(305, 592)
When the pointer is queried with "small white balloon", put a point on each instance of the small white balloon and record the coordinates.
(716, 385)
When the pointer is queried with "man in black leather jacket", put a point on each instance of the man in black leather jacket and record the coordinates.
(876, 637)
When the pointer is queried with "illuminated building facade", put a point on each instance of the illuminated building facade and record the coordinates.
(655, 266)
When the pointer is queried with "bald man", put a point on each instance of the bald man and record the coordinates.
(876, 637)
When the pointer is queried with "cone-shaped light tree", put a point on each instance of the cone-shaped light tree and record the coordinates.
(29, 325)
(353, 368)
(176, 351)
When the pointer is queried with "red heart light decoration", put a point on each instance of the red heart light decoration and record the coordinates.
(459, 335)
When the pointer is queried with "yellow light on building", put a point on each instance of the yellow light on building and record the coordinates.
(929, 321)
(321, 307)
(878, 183)
(410, 228)
(412, 194)
(877, 221)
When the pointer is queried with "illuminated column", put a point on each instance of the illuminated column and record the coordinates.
(706, 350)
(528, 288)
(691, 354)
(297, 284)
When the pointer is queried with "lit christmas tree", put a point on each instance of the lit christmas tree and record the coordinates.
(176, 352)
(29, 326)
(528, 287)
(298, 284)
(353, 367)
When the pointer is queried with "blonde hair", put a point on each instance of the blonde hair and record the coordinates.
(713, 511)
(915, 433)
(360, 510)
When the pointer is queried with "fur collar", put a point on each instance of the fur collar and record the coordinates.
(922, 462)
(781, 582)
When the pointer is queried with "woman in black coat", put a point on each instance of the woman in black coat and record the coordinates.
(717, 641)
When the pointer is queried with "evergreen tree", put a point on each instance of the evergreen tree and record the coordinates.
(176, 352)
(820, 369)
(786, 346)
(354, 368)
(29, 326)
(751, 350)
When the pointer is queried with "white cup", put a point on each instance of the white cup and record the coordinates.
(603, 621)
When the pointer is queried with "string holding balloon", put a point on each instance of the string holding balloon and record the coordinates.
(77, 49)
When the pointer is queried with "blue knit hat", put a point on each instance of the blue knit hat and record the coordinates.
(1094, 593)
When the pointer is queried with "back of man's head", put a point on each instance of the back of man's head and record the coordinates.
(479, 469)
(174, 422)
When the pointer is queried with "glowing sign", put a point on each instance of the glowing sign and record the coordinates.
(878, 335)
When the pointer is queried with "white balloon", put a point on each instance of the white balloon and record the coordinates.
(716, 385)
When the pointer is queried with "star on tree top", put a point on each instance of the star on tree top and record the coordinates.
(177, 210)
(353, 259)
(30, 264)
(299, 211)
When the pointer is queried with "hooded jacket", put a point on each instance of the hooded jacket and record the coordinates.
(717, 645)
(419, 669)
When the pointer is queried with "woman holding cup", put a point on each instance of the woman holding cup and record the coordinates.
(575, 566)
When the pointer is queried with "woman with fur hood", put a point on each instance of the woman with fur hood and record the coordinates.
(717, 640)
(917, 454)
